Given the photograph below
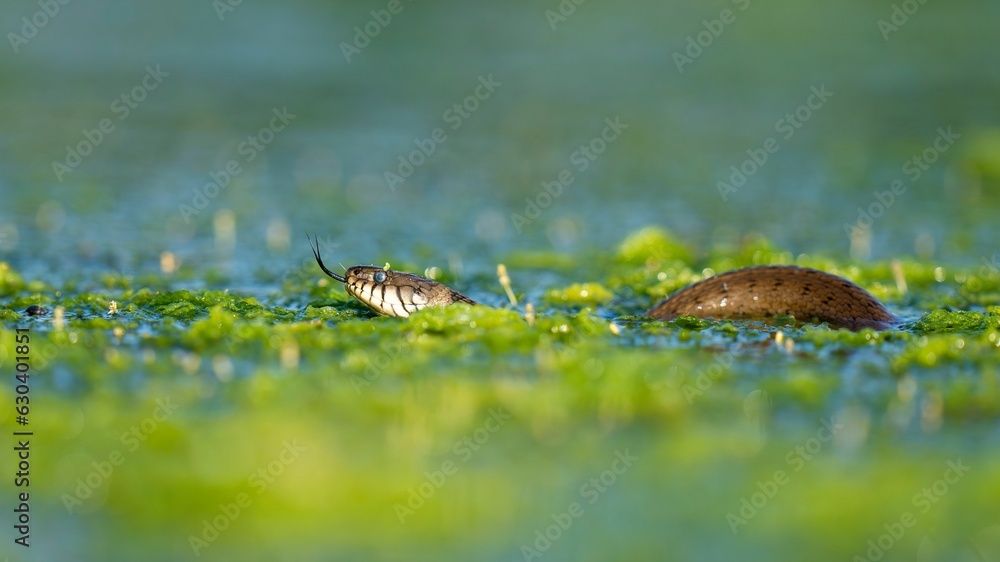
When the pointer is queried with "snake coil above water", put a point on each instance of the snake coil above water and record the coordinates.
(767, 291)
(753, 292)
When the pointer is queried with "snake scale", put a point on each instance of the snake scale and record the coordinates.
(753, 292)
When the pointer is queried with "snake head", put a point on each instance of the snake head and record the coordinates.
(397, 293)
(390, 292)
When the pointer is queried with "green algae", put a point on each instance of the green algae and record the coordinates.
(10, 281)
(379, 401)
(580, 294)
(219, 320)
(948, 321)
(652, 245)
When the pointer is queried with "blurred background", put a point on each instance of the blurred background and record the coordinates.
(225, 71)
(210, 136)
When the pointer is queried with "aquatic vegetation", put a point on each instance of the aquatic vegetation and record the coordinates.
(247, 378)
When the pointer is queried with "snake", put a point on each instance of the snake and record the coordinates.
(772, 290)
(390, 292)
(756, 292)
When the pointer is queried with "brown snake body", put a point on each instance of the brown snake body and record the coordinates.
(771, 290)
(754, 292)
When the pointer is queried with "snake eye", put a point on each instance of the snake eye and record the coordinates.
(379, 277)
